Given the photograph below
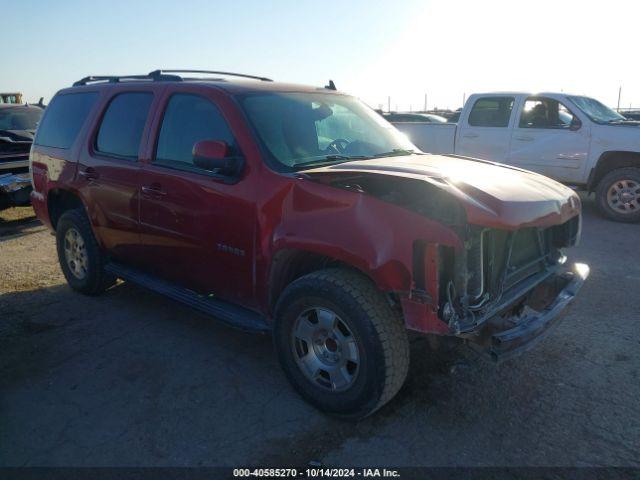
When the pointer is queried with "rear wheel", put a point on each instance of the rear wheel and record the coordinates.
(80, 258)
(618, 195)
(340, 343)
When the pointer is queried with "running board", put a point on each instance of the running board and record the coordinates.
(231, 314)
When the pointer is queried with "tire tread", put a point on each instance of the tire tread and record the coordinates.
(387, 324)
(98, 280)
(602, 189)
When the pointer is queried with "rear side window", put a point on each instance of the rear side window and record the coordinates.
(491, 112)
(64, 118)
(122, 125)
(187, 120)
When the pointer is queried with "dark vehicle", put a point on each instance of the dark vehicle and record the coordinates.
(17, 128)
(632, 115)
(414, 117)
(300, 211)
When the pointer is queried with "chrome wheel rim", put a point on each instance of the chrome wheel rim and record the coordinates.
(325, 349)
(624, 196)
(75, 253)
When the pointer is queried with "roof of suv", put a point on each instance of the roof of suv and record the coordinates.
(237, 83)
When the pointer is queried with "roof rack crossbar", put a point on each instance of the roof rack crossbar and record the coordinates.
(119, 78)
(230, 74)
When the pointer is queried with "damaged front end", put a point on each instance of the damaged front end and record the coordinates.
(506, 289)
(505, 282)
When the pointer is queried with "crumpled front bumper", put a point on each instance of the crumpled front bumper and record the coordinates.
(15, 188)
(504, 337)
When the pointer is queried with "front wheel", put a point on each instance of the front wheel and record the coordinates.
(341, 345)
(618, 195)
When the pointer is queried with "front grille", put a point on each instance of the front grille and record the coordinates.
(530, 252)
(11, 148)
(566, 234)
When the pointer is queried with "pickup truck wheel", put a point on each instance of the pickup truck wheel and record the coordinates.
(618, 195)
(80, 257)
(340, 343)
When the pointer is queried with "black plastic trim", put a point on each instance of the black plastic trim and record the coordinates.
(231, 314)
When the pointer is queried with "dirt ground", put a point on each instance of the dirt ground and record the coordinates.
(130, 378)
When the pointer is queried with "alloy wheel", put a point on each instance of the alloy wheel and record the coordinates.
(623, 196)
(75, 253)
(325, 349)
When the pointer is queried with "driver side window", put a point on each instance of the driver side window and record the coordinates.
(187, 120)
(543, 112)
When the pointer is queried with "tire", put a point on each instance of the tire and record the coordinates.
(80, 258)
(365, 328)
(616, 186)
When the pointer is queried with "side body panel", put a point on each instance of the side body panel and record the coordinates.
(561, 154)
(606, 138)
(488, 143)
(198, 229)
(109, 185)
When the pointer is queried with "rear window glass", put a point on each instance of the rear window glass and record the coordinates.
(64, 118)
(491, 112)
(122, 125)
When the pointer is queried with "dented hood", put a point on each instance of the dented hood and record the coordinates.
(492, 194)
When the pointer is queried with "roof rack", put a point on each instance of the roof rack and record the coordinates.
(159, 76)
(120, 78)
(228, 74)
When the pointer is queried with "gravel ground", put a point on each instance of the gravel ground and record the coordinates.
(130, 378)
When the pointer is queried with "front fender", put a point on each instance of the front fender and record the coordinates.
(375, 237)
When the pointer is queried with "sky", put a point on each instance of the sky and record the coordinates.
(405, 49)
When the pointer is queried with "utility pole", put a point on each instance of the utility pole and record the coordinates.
(389, 103)
(425, 102)
(464, 98)
(619, 94)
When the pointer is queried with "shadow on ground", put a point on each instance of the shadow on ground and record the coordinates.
(17, 222)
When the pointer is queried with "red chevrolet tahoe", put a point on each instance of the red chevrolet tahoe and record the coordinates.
(300, 211)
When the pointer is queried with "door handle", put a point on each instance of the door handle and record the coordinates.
(89, 174)
(154, 190)
(525, 138)
(470, 135)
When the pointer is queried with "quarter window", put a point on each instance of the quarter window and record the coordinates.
(122, 125)
(187, 120)
(541, 112)
(64, 118)
(491, 112)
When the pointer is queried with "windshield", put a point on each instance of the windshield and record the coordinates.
(19, 118)
(596, 111)
(301, 130)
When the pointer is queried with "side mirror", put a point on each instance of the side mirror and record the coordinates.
(575, 124)
(213, 155)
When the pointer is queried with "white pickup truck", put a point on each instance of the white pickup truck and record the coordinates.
(573, 139)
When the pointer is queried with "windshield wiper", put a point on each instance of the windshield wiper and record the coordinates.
(330, 160)
(619, 120)
(396, 152)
